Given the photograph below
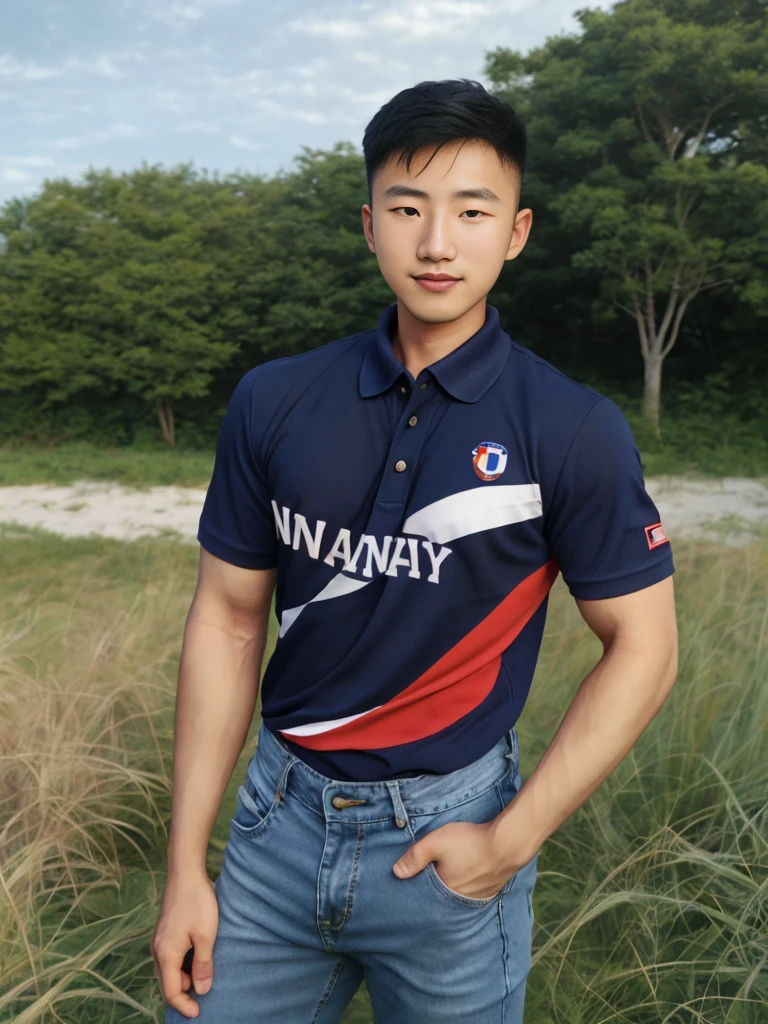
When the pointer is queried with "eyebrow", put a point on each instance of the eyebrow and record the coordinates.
(462, 193)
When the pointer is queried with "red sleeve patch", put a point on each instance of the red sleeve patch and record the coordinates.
(656, 535)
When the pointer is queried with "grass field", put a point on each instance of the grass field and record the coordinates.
(651, 904)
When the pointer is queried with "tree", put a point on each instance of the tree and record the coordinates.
(146, 284)
(316, 279)
(105, 288)
(647, 144)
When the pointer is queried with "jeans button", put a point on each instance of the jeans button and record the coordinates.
(339, 802)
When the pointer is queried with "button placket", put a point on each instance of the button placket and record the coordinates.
(405, 449)
(407, 443)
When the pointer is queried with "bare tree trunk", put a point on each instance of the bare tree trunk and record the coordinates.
(167, 426)
(657, 340)
(652, 392)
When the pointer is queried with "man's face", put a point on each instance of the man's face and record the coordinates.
(439, 231)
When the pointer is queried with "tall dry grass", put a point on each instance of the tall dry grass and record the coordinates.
(652, 905)
(88, 645)
(651, 900)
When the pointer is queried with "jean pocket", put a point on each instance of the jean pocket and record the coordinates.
(459, 897)
(256, 805)
(480, 809)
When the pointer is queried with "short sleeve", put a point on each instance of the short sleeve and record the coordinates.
(602, 526)
(237, 523)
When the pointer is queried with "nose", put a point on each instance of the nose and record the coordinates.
(435, 243)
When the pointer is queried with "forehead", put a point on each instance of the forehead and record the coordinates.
(469, 162)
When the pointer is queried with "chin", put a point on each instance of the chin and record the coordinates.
(439, 308)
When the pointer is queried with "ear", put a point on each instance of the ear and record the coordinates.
(367, 214)
(520, 232)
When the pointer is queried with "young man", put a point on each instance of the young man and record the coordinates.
(412, 492)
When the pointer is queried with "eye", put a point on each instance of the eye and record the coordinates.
(475, 211)
(405, 208)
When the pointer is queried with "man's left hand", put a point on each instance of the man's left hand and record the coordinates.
(466, 859)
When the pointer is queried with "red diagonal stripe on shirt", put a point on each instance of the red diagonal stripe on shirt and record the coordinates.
(452, 687)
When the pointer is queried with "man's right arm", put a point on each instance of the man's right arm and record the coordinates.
(225, 636)
(222, 651)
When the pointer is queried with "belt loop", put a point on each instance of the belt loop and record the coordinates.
(512, 743)
(282, 782)
(401, 815)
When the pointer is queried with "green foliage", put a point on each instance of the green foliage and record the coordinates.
(130, 304)
(144, 291)
(706, 429)
(648, 154)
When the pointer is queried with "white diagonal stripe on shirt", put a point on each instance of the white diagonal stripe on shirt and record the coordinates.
(480, 508)
(317, 727)
(337, 587)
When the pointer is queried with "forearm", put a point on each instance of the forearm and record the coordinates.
(612, 707)
(216, 697)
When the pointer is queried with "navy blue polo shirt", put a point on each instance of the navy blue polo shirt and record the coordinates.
(417, 527)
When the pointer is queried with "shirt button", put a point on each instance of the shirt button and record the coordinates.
(413, 421)
(400, 466)
(423, 387)
(403, 388)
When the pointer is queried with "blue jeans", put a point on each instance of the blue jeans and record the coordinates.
(309, 905)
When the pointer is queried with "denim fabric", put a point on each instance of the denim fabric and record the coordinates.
(309, 905)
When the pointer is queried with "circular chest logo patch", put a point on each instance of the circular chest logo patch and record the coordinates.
(489, 460)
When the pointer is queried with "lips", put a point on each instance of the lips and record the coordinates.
(439, 283)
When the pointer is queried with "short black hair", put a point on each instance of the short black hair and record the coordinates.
(435, 113)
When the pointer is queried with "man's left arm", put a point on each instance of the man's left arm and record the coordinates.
(612, 707)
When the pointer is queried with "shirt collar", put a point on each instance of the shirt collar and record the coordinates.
(466, 373)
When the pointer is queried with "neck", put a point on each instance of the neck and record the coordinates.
(417, 344)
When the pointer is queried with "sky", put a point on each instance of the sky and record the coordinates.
(228, 84)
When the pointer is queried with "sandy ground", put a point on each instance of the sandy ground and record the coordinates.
(731, 508)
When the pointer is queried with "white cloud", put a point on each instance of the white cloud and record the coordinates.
(408, 21)
(36, 116)
(241, 143)
(171, 100)
(14, 174)
(320, 66)
(198, 128)
(177, 14)
(118, 131)
(272, 109)
(188, 12)
(334, 28)
(188, 53)
(68, 142)
(115, 131)
(238, 87)
(105, 66)
(24, 72)
(373, 59)
(425, 20)
(28, 161)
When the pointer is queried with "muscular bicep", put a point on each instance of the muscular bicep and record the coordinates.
(236, 599)
(643, 620)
